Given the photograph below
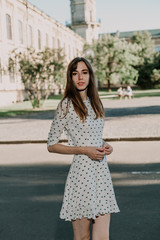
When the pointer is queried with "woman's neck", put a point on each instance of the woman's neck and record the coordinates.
(84, 95)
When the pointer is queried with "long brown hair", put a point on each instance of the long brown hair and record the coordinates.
(73, 94)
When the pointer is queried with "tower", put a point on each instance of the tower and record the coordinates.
(83, 13)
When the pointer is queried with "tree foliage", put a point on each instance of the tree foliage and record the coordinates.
(146, 46)
(117, 61)
(113, 60)
(155, 73)
(39, 71)
(146, 56)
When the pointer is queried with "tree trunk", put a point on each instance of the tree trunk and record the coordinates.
(108, 84)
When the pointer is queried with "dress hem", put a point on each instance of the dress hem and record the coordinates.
(85, 216)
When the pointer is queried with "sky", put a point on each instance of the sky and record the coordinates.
(115, 15)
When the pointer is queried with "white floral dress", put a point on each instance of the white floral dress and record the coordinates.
(88, 189)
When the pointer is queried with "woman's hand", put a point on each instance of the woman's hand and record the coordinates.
(94, 153)
(107, 148)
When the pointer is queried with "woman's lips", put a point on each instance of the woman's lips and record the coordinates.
(81, 83)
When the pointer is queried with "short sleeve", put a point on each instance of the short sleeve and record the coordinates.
(59, 122)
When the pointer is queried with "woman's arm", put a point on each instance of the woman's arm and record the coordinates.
(58, 124)
(63, 149)
(94, 153)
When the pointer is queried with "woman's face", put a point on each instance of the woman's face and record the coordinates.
(80, 76)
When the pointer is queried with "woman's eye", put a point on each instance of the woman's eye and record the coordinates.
(74, 73)
(85, 72)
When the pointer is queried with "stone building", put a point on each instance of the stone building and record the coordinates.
(23, 25)
(84, 21)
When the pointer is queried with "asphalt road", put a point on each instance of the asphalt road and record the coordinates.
(32, 184)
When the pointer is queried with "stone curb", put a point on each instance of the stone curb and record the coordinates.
(124, 139)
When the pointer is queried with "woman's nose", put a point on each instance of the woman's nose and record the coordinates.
(80, 76)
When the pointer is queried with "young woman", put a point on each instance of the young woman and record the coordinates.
(89, 195)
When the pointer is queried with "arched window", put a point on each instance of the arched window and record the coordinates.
(53, 42)
(58, 43)
(39, 39)
(91, 16)
(47, 41)
(0, 72)
(20, 31)
(30, 37)
(9, 26)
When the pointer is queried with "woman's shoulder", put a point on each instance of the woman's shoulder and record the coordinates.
(64, 106)
(65, 103)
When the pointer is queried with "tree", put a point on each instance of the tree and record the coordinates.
(146, 45)
(146, 57)
(155, 74)
(39, 71)
(113, 60)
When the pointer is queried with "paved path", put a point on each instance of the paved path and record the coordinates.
(32, 184)
(139, 117)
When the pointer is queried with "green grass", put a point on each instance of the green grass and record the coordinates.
(25, 107)
(149, 94)
(58, 97)
(136, 93)
(14, 113)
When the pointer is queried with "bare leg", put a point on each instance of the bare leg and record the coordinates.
(81, 229)
(100, 230)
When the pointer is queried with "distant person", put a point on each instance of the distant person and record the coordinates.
(129, 92)
(120, 92)
(89, 195)
(124, 93)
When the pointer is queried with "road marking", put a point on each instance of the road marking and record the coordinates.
(145, 172)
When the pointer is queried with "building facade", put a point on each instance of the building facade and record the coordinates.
(23, 25)
(84, 23)
(155, 33)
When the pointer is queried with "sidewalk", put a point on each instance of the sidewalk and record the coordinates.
(32, 187)
(135, 119)
(37, 154)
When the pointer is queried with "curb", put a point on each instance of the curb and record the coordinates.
(123, 139)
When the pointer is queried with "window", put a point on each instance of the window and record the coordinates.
(77, 52)
(20, 31)
(91, 18)
(47, 40)
(0, 72)
(64, 48)
(69, 51)
(53, 43)
(30, 38)
(11, 70)
(11, 75)
(9, 26)
(0, 27)
(58, 43)
(39, 39)
(157, 49)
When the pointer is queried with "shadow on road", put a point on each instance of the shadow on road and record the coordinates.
(131, 111)
(31, 198)
(109, 112)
